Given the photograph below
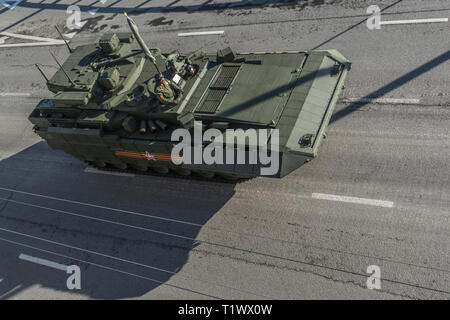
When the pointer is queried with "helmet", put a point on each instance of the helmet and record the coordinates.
(190, 68)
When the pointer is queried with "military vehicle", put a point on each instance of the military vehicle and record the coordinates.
(110, 110)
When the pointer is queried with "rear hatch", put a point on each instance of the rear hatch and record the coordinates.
(312, 101)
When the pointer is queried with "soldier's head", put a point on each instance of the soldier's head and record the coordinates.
(190, 69)
(159, 77)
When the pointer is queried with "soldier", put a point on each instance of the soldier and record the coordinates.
(165, 90)
(189, 72)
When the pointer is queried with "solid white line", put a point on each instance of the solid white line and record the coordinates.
(27, 37)
(120, 174)
(382, 100)
(102, 207)
(370, 202)
(43, 262)
(33, 44)
(433, 20)
(201, 33)
(14, 94)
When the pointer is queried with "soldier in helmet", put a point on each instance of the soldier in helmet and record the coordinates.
(189, 72)
(166, 90)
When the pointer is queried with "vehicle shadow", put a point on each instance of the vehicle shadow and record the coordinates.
(129, 235)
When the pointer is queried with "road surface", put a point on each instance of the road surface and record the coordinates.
(377, 195)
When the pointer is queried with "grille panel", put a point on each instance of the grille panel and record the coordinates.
(212, 101)
(216, 92)
(226, 77)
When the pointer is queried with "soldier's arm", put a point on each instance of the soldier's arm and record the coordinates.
(175, 86)
(164, 100)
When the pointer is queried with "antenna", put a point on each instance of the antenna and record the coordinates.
(42, 72)
(141, 42)
(73, 83)
(65, 41)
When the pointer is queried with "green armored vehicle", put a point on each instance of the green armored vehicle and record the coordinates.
(235, 115)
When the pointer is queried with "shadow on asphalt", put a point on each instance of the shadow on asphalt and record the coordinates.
(173, 6)
(139, 258)
(397, 83)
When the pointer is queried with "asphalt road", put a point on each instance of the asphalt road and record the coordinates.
(155, 238)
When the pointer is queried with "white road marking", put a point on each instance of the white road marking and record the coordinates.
(200, 33)
(120, 174)
(70, 35)
(10, 4)
(33, 44)
(101, 207)
(14, 94)
(382, 100)
(2, 39)
(92, 12)
(118, 259)
(40, 40)
(26, 37)
(107, 268)
(43, 262)
(433, 20)
(85, 250)
(370, 202)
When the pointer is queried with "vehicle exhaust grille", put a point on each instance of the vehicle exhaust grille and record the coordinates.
(212, 101)
(226, 77)
(217, 90)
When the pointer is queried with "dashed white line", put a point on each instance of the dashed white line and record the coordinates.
(370, 202)
(120, 174)
(97, 265)
(433, 20)
(187, 277)
(382, 100)
(14, 94)
(200, 33)
(43, 262)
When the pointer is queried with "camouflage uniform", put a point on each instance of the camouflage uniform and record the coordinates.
(165, 91)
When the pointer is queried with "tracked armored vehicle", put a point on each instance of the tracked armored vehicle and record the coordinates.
(110, 110)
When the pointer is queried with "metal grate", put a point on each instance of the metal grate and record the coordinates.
(226, 76)
(212, 101)
(218, 89)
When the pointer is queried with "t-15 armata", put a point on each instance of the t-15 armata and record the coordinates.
(118, 107)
